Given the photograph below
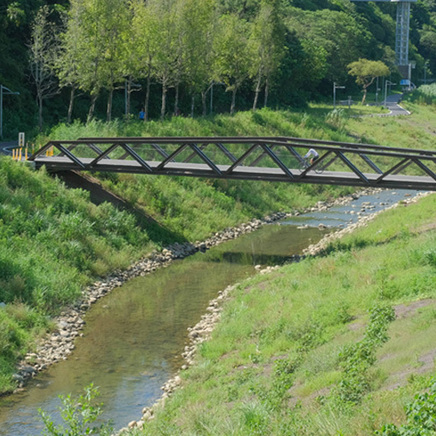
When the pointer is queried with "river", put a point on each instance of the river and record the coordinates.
(134, 337)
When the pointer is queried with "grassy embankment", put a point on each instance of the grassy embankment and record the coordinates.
(314, 348)
(55, 241)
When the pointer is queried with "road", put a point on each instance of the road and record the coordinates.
(392, 103)
(5, 147)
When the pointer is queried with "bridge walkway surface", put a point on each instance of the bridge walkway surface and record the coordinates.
(278, 159)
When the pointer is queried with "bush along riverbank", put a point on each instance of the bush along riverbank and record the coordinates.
(60, 343)
(335, 344)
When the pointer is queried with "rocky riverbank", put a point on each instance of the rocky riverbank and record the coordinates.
(202, 330)
(59, 344)
(319, 247)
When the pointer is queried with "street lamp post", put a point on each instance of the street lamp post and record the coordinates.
(387, 82)
(4, 91)
(335, 87)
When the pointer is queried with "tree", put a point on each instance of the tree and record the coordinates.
(340, 36)
(94, 40)
(199, 22)
(67, 71)
(366, 72)
(114, 18)
(143, 46)
(165, 59)
(233, 56)
(43, 50)
(267, 41)
(84, 28)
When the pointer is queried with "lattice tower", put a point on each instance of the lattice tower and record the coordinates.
(402, 30)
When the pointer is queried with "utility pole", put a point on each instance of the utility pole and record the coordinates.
(4, 91)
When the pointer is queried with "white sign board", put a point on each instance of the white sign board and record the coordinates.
(21, 139)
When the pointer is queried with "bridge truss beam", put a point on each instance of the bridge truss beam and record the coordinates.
(278, 159)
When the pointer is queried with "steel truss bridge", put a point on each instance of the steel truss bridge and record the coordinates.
(277, 159)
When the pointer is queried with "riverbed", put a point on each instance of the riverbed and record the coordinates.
(134, 337)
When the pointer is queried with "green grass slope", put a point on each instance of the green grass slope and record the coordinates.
(55, 241)
(333, 345)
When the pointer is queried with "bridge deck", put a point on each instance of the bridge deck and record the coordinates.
(275, 159)
(56, 163)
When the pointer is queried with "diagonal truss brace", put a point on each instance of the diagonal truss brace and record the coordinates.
(128, 151)
(274, 157)
(200, 153)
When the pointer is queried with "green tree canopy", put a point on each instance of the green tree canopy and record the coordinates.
(366, 72)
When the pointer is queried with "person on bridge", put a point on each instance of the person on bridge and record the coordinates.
(312, 154)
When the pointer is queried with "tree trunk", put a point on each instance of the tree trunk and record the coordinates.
(92, 108)
(70, 106)
(192, 105)
(176, 101)
(147, 97)
(129, 91)
(109, 105)
(364, 95)
(164, 101)
(265, 101)
(256, 93)
(203, 102)
(232, 106)
(40, 99)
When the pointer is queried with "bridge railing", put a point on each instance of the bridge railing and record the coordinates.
(262, 158)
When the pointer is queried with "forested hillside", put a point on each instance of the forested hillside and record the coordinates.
(84, 59)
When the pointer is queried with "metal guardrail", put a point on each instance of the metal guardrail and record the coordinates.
(247, 158)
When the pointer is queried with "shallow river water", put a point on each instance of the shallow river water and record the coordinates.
(134, 337)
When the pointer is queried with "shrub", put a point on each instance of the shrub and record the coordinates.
(420, 415)
(78, 415)
(356, 359)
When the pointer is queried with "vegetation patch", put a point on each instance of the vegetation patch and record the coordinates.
(284, 360)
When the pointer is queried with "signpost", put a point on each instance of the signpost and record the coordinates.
(21, 139)
(335, 87)
(4, 91)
